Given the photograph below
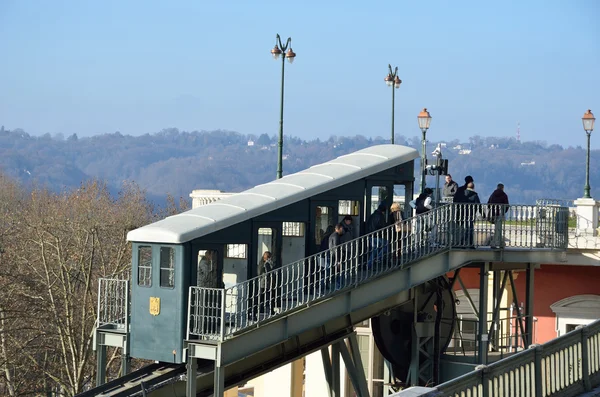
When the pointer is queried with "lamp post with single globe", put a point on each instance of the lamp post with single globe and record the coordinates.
(280, 49)
(588, 125)
(424, 122)
(392, 80)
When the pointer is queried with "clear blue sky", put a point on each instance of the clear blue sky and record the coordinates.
(90, 67)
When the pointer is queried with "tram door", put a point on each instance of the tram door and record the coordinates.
(324, 217)
(208, 261)
(379, 193)
(267, 238)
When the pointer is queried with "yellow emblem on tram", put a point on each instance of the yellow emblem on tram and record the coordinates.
(154, 306)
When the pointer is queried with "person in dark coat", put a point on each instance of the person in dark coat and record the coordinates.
(337, 257)
(459, 196)
(497, 207)
(378, 244)
(470, 213)
(348, 229)
(450, 187)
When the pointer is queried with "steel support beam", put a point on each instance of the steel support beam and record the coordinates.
(355, 351)
(192, 374)
(468, 296)
(529, 303)
(518, 309)
(219, 381)
(100, 364)
(327, 369)
(359, 383)
(125, 359)
(335, 369)
(483, 303)
(496, 306)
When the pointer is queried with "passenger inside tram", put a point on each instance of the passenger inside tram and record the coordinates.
(207, 269)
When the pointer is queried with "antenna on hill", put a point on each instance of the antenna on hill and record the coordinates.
(518, 132)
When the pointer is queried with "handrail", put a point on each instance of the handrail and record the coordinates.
(567, 364)
(113, 304)
(217, 314)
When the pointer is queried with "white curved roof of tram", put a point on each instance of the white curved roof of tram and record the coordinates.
(279, 193)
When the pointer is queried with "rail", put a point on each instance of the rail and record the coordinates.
(113, 304)
(217, 314)
(560, 202)
(564, 366)
(506, 335)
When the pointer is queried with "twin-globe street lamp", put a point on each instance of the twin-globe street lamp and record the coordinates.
(392, 80)
(280, 49)
(588, 125)
(424, 122)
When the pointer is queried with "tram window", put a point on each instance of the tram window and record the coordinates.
(379, 194)
(348, 207)
(167, 267)
(207, 268)
(145, 266)
(324, 223)
(293, 229)
(236, 251)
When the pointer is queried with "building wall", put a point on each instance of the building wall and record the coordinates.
(551, 284)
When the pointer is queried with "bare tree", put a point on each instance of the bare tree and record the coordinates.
(65, 242)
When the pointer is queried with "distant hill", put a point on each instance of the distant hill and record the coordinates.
(176, 162)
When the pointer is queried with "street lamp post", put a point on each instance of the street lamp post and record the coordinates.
(424, 122)
(280, 49)
(392, 80)
(588, 125)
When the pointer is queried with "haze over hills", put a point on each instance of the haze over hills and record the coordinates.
(176, 162)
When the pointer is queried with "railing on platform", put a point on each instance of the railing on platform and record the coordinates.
(506, 335)
(564, 366)
(452, 226)
(559, 202)
(113, 304)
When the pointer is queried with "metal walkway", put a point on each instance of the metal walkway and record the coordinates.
(262, 323)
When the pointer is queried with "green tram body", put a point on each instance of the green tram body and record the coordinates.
(165, 264)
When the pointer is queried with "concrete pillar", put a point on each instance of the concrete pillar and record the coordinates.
(587, 216)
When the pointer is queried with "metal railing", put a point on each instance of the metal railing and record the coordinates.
(452, 226)
(564, 366)
(113, 304)
(560, 202)
(506, 335)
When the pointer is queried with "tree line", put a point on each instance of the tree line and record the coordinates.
(54, 246)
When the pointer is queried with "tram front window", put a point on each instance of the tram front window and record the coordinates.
(167, 267)
(207, 268)
(145, 266)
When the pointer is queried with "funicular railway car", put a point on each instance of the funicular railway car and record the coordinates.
(220, 244)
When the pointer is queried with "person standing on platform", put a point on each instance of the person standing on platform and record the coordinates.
(378, 243)
(497, 207)
(336, 255)
(472, 198)
(449, 189)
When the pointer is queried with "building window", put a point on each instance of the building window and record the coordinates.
(167, 267)
(575, 310)
(293, 229)
(145, 266)
(236, 251)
